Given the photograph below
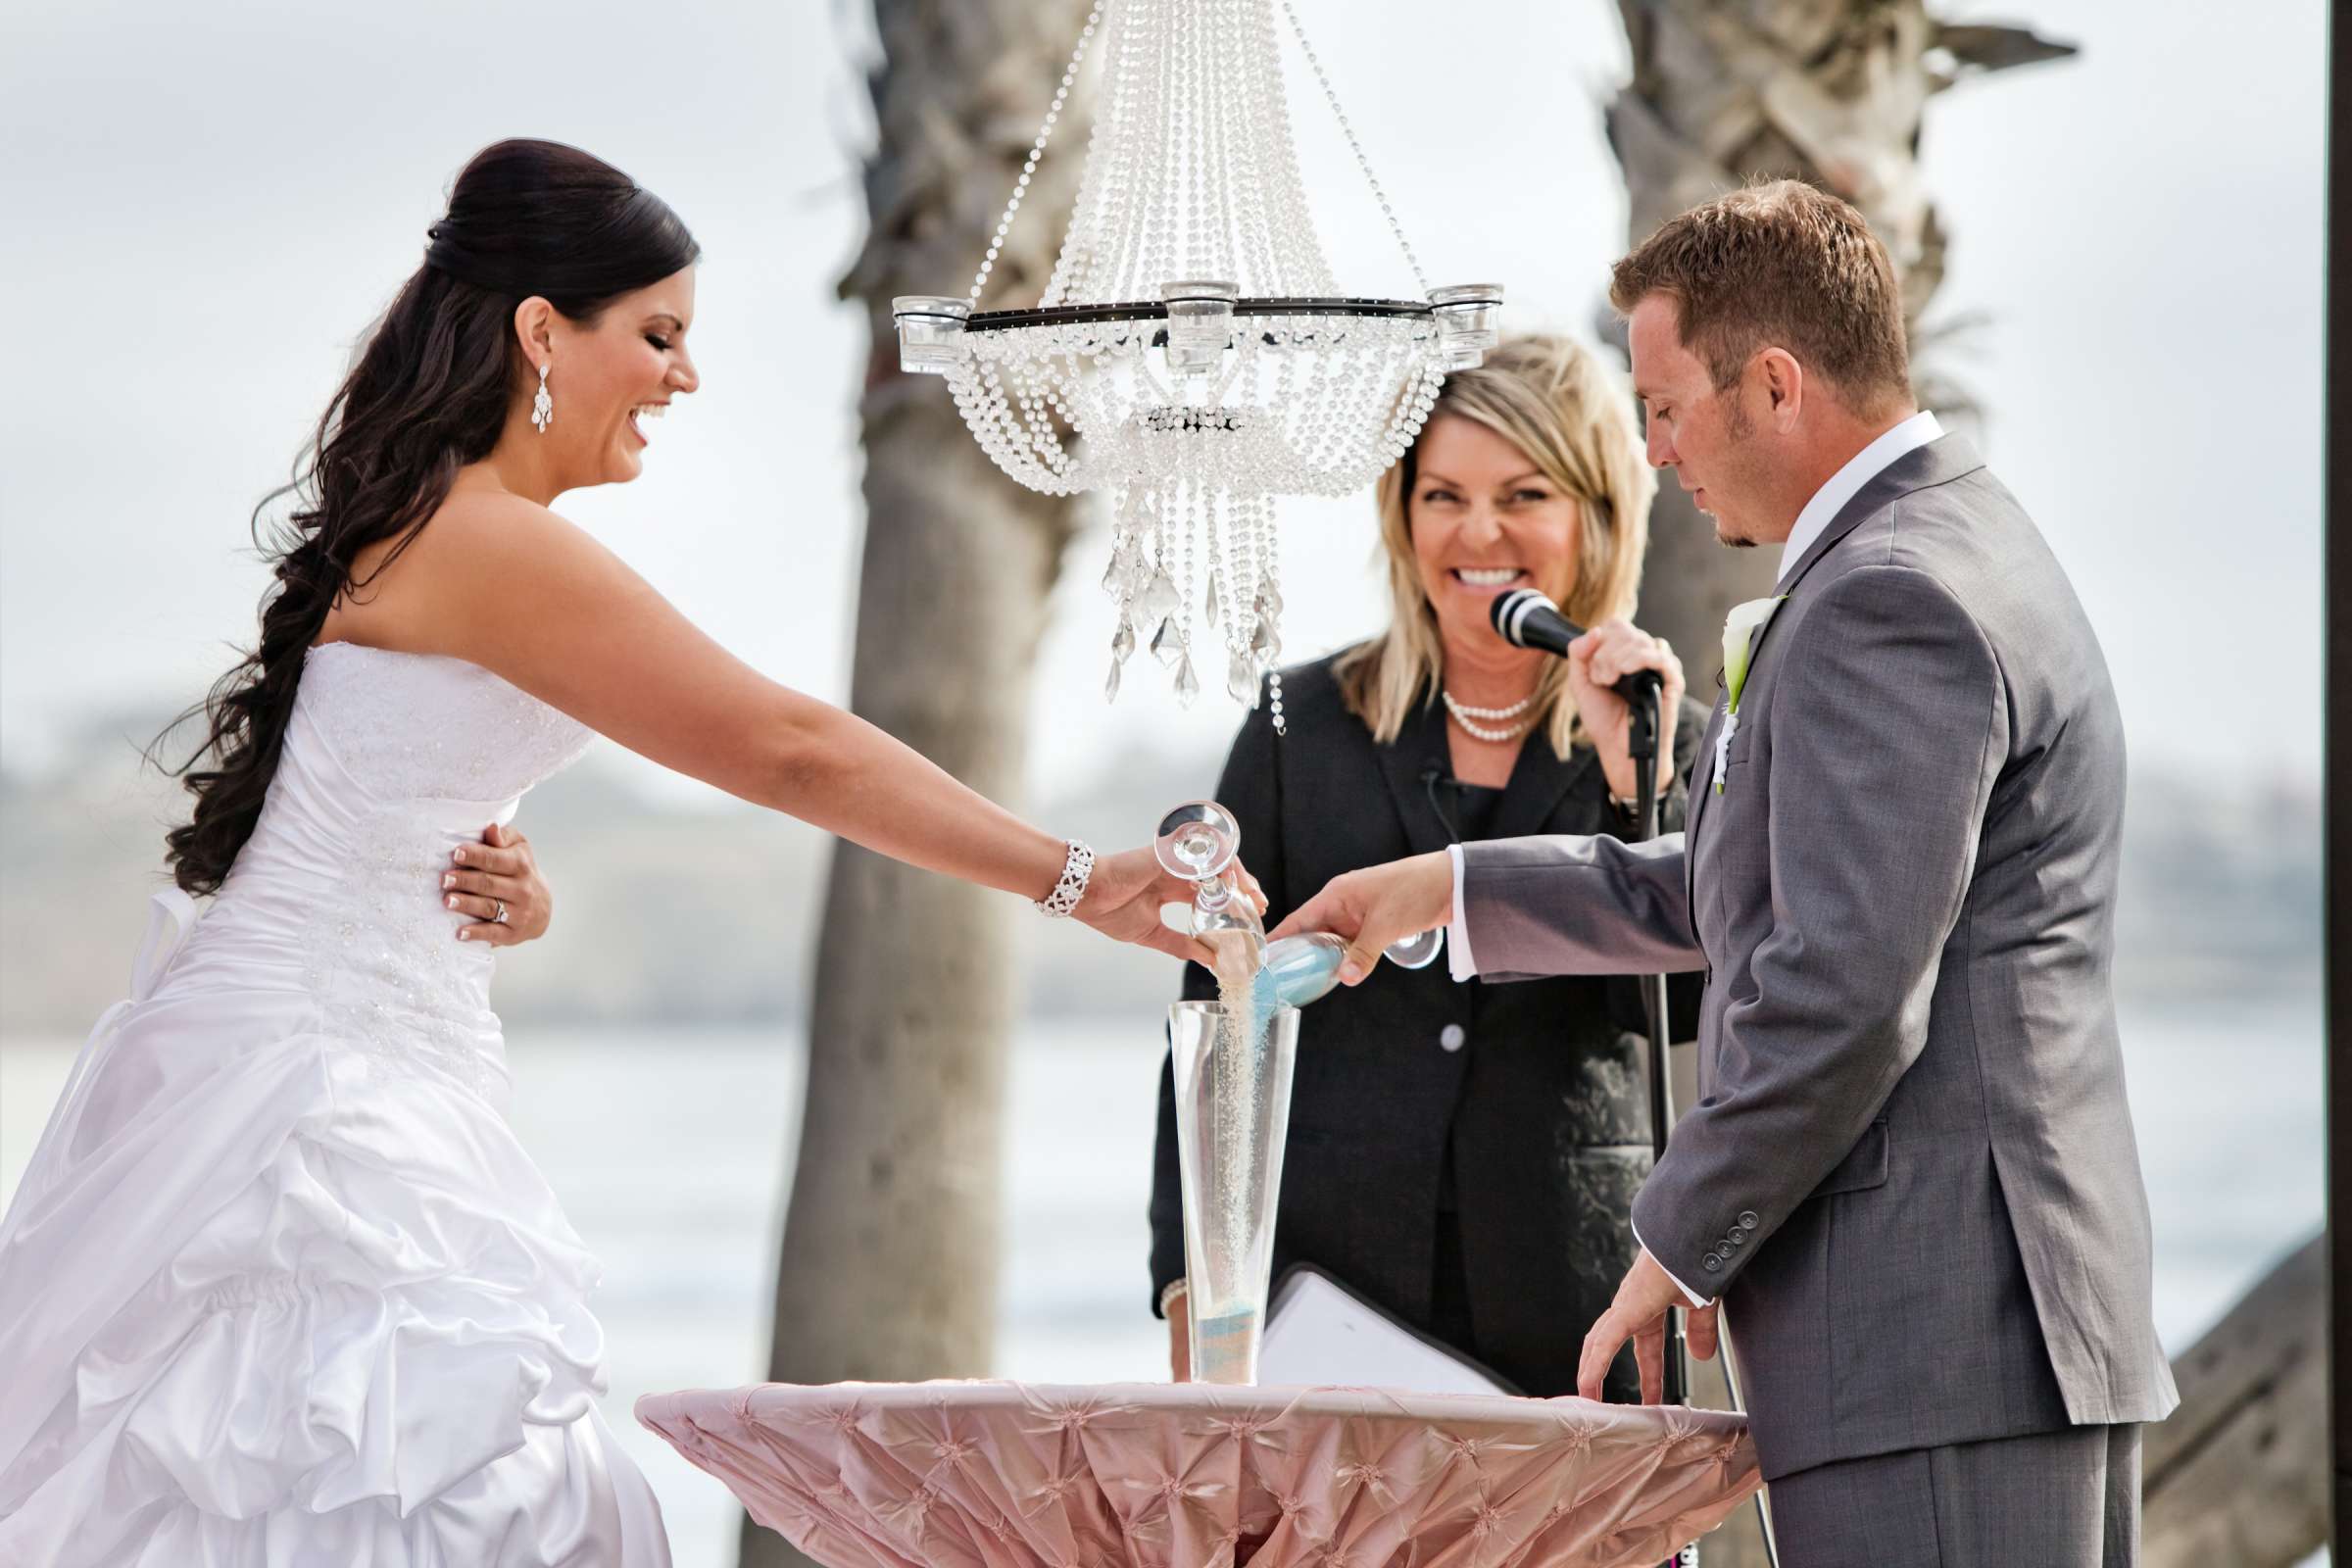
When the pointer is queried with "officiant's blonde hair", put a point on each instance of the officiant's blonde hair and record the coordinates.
(1550, 398)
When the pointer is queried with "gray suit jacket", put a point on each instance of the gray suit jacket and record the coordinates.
(1910, 1175)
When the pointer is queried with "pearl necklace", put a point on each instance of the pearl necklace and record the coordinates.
(1467, 716)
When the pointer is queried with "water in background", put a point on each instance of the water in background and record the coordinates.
(668, 1150)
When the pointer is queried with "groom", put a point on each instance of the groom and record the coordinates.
(1911, 1170)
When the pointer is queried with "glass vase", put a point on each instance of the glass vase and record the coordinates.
(1233, 1116)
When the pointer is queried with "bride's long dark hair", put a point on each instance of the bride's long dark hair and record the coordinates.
(427, 395)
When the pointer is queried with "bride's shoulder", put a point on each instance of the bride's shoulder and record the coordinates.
(469, 511)
(500, 526)
(485, 551)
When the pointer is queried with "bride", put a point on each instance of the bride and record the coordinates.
(280, 1287)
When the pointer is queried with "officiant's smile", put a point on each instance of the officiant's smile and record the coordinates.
(1484, 521)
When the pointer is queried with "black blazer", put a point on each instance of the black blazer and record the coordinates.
(1537, 1088)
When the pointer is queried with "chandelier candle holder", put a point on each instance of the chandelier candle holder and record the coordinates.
(1190, 357)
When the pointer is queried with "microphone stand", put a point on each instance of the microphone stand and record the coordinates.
(1641, 744)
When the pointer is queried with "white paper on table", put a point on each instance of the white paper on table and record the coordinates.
(1319, 1334)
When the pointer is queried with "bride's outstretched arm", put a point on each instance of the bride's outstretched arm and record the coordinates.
(510, 586)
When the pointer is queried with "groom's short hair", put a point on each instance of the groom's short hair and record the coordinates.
(1778, 265)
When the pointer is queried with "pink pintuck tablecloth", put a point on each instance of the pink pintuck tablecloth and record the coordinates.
(1155, 1475)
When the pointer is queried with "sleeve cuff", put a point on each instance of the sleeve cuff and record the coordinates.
(1457, 935)
(1688, 1295)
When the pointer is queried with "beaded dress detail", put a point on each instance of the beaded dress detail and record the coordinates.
(279, 1286)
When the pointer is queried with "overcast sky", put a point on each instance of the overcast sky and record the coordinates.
(206, 205)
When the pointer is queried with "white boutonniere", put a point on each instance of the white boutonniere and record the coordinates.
(1741, 628)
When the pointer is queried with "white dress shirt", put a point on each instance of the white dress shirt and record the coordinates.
(1847, 483)
(1830, 500)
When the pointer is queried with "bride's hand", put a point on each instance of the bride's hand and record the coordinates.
(501, 869)
(1124, 895)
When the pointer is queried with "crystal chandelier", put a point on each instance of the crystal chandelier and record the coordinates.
(1191, 357)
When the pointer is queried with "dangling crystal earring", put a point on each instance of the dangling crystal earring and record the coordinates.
(543, 407)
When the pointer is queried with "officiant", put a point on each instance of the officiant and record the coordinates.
(1463, 1155)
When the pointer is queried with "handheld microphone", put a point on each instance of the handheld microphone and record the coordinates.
(1527, 619)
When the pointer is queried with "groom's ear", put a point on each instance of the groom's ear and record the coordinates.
(1783, 385)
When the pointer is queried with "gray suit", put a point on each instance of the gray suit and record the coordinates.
(1911, 1174)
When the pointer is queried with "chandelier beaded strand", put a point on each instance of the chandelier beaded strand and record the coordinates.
(1037, 150)
(1192, 398)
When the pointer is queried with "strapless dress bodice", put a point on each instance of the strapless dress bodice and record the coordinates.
(391, 761)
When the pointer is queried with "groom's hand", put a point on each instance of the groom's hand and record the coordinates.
(1638, 1314)
(1379, 905)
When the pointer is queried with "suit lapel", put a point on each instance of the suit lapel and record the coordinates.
(1702, 787)
(1939, 462)
(1409, 762)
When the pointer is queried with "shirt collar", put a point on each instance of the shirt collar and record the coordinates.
(1847, 483)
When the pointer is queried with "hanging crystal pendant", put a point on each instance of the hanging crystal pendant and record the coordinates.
(1265, 642)
(1241, 678)
(1159, 599)
(1193, 354)
(1188, 685)
(1167, 644)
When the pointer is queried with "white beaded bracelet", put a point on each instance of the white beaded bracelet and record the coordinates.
(1060, 904)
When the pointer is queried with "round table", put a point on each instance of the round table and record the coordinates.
(1156, 1475)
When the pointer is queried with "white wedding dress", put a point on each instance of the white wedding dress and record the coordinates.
(280, 1287)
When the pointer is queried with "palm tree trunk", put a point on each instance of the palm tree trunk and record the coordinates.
(1830, 91)
(891, 1244)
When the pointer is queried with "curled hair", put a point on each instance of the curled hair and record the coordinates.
(427, 395)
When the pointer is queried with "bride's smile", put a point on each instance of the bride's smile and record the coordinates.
(609, 375)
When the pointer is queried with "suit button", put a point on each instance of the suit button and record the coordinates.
(1748, 1220)
(1738, 1237)
(1450, 1037)
(1711, 1262)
